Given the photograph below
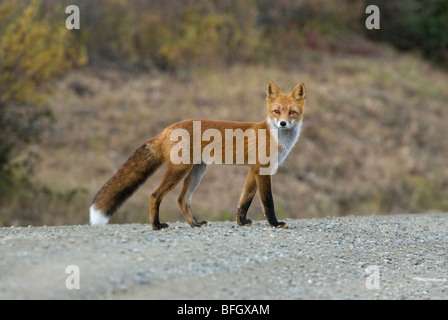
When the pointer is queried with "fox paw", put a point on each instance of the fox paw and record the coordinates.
(159, 226)
(197, 223)
(245, 222)
(282, 225)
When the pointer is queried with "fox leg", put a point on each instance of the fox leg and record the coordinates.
(250, 188)
(173, 175)
(191, 183)
(264, 183)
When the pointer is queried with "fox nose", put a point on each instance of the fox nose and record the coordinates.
(283, 123)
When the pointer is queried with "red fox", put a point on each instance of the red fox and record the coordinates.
(277, 134)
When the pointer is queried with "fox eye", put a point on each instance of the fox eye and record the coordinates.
(277, 111)
(292, 112)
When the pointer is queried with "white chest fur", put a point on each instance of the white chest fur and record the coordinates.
(286, 139)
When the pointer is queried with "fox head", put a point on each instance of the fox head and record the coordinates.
(285, 110)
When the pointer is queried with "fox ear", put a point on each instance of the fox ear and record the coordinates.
(298, 93)
(272, 91)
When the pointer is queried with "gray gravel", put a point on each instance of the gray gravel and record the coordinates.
(406, 255)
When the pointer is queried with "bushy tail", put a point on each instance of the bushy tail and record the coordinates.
(132, 174)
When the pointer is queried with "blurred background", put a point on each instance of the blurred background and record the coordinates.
(74, 104)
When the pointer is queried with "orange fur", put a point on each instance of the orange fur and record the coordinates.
(282, 108)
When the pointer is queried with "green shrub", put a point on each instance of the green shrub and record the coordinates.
(32, 51)
(209, 38)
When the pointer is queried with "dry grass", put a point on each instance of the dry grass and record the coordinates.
(374, 136)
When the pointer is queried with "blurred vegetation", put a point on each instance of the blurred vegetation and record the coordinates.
(33, 49)
(189, 37)
(415, 25)
(189, 33)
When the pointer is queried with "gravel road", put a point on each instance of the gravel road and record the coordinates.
(371, 257)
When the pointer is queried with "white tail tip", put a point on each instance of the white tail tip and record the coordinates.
(98, 218)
